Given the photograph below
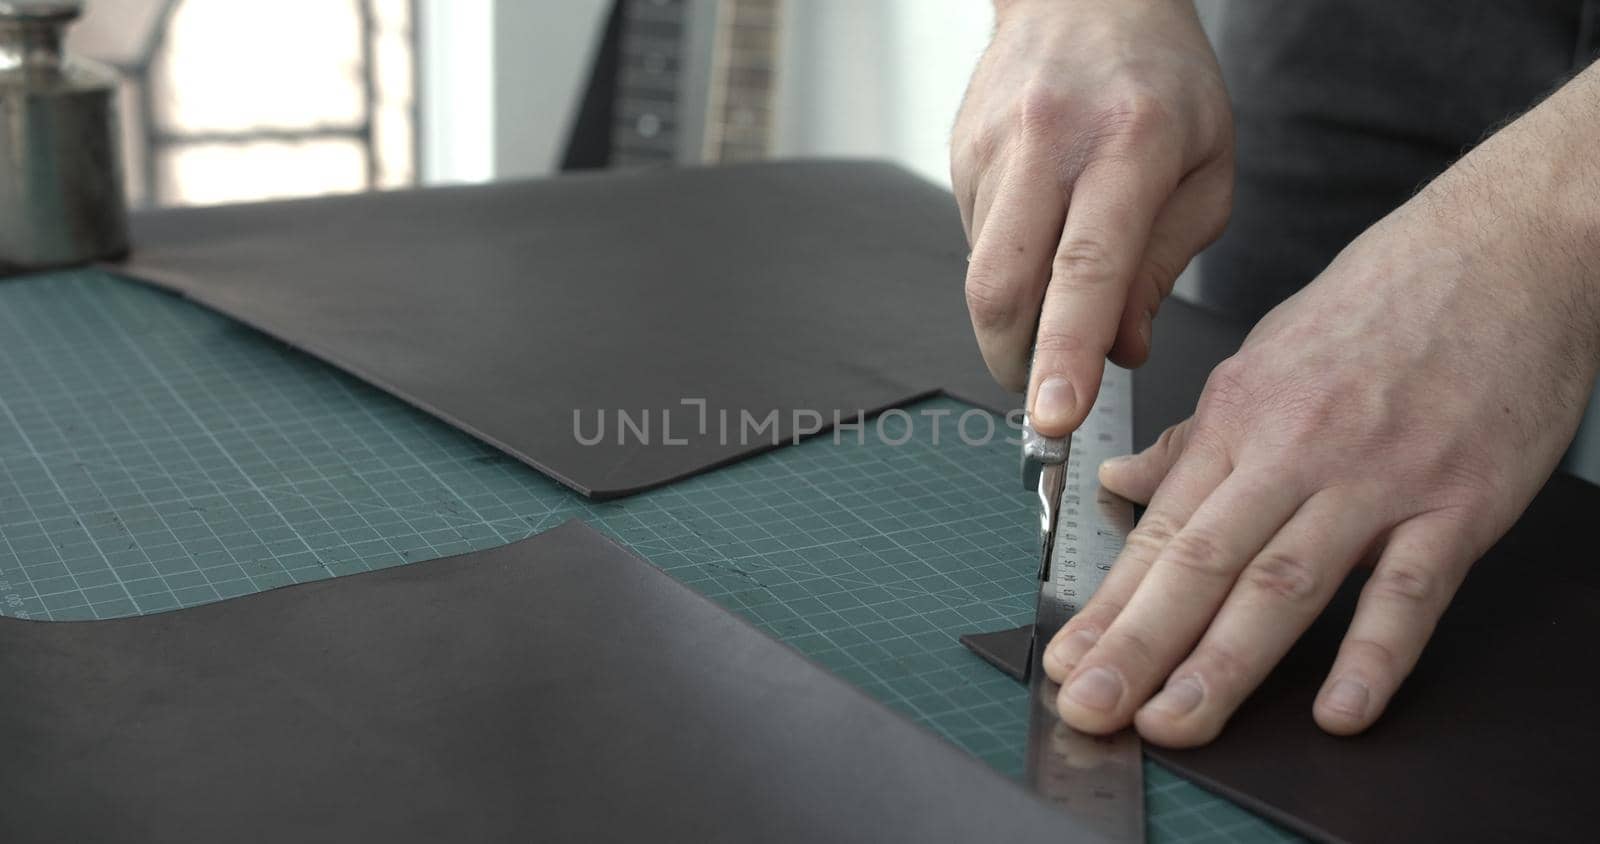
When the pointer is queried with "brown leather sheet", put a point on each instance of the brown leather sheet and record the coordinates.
(555, 689)
(502, 309)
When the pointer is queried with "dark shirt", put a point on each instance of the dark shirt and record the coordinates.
(1345, 108)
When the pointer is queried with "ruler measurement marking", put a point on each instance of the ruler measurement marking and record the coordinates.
(1098, 778)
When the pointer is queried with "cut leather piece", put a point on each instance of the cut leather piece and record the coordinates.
(504, 309)
(559, 688)
(1007, 650)
(1492, 737)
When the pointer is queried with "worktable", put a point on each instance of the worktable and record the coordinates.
(154, 455)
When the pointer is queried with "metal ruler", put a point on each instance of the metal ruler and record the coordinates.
(1098, 779)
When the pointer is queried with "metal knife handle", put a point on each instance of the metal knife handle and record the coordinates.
(1039, 451)
(1044, 466)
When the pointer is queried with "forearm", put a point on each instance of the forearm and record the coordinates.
(1002, 8)
(1530, 194)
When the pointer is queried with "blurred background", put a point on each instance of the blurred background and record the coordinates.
(230, 100)
(226, 100)
(236, 100)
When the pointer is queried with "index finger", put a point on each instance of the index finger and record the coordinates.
(1113, 205)
(1010, 266)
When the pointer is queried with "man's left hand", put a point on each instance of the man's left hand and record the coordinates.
(1401, 411)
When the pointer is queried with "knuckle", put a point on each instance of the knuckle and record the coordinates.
(1059, 343)
(1083, 264)
(1129, 647)
(1228, 377)
(1375, 654)
(1227, 388)
(1221, 664)
(1405, 584)
(1171, 440)
(1095, 627)
(1198, 552)
(1161, 271)
(1099, 614)
(1283, 576)
(1143, 545)
(990, 300)
(1137, 115)
(1041, 109)
(1152, 534)
(1465, 489)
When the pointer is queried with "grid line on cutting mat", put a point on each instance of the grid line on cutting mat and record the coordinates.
(154, 455)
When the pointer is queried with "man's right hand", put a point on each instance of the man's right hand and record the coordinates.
(1092, 159)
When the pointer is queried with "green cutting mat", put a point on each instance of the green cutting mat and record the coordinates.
(154, 455)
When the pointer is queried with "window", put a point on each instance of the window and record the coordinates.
(236, 100)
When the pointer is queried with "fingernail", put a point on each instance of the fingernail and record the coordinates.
(1098, 688)
(1144, 329)
(1113, 464)
(1180, 697)
(1053, 404)
(1065, 653)
(1348, 697)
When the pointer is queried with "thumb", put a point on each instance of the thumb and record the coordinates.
(1136, 476)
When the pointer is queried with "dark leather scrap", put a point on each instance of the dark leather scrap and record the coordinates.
(555, 689)
(1008, 650)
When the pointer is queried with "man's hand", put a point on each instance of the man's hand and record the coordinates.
(1093, 157)
(1402, 410)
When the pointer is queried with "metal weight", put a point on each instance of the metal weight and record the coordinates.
(61, 195)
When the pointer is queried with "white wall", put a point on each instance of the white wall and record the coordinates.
(542, 53)
(455, 90)
(878, 79)
(500, 83)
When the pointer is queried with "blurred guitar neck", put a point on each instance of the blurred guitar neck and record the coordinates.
(695, 82)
